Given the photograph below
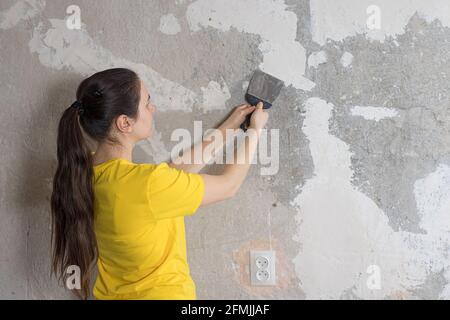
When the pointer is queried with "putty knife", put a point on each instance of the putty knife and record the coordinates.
(262, 87)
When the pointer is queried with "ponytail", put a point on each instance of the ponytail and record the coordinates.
(101, 98)
(72, 204)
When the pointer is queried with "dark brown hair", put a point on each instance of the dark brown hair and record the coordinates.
(102, 97)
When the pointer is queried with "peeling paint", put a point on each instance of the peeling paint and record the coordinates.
(60, 48)
(432, 195)
(345, 234)
(284, 57)
(20, 10)
(317, 58)
(215, 96)
(337, 20)
(169, 24)
(373, 113)
(346, 59)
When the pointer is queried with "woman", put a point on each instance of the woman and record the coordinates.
(128, 218)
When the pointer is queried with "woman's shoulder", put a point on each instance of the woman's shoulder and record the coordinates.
(122, 168)
(152, 169)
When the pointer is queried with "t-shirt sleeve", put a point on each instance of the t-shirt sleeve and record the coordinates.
(173, 192)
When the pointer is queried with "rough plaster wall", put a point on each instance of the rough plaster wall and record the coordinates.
(364, 173)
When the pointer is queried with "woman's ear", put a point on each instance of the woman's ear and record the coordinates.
(124, 124)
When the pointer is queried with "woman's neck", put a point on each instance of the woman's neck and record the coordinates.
(108, 151)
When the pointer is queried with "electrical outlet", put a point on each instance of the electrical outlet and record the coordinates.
(262, 268)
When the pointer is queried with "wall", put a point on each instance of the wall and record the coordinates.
(364, 179)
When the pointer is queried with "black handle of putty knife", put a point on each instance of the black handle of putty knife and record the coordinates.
(246, 122)
(252, 100)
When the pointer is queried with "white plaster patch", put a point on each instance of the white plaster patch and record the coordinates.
(169, 24)
(344, 235)
(283, 56)
(215, 96)
(373, 113)
(20, 10)
(337, 20)
(346, 59)
(60, 48)
(432, 195)
(317, 58)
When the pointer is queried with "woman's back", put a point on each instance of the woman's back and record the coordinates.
(139, 226)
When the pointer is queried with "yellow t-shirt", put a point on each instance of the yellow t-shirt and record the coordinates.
(139, 225)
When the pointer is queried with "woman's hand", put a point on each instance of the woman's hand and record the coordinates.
(237, 117)
(259, 118)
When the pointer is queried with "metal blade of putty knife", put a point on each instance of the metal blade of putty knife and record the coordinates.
(262, 87)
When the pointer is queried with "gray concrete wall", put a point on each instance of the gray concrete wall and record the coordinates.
(363, 186)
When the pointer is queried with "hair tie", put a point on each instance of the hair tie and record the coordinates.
(78, 105)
